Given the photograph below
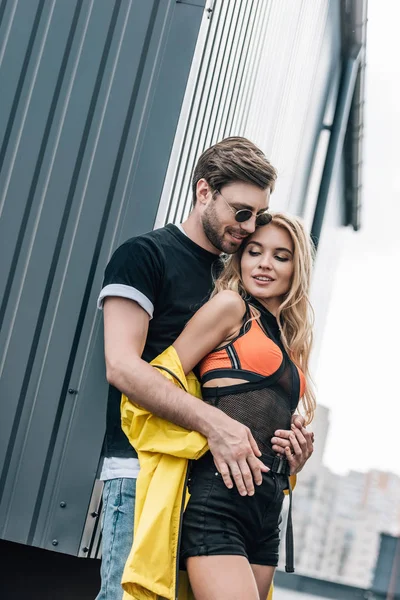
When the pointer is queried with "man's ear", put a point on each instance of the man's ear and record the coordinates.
(203, 191)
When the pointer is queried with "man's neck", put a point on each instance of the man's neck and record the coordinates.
(194, 230)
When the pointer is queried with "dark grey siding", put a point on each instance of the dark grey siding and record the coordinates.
(387, 570)
(91, 92)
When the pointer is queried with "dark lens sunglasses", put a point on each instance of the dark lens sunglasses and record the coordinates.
(244, 214)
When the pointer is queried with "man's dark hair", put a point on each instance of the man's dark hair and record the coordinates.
(234, 159)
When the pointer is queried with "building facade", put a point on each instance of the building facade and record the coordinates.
(339, 522)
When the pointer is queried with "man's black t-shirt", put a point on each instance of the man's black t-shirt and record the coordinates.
(170, 277)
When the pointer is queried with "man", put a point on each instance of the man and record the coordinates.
(152, 286)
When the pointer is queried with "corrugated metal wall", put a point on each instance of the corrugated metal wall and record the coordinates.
(264, 70)
(91, 92)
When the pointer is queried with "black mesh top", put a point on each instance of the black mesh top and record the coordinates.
(266, 403)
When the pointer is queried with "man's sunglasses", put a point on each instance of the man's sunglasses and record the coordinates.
(244, 214)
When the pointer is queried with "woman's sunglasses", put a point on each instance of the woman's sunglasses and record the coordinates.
(244, 214)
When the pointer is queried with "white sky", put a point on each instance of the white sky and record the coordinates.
(359, 369)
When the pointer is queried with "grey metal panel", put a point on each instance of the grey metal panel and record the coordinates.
(387, 572)
(89, 85)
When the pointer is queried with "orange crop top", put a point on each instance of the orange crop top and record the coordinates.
(252, 355)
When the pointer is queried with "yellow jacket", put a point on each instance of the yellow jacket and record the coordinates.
(164, 450)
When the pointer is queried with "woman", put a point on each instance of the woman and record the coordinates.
(252, 343)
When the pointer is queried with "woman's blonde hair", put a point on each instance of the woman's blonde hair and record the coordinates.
(295, 316)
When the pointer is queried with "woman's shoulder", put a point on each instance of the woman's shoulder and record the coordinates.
(229, 301)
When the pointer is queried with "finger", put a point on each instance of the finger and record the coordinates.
(307, 432)
(298, 420)
(247, 477)
(281, 442)
(300, 438)
(279, 449)
(257, 468)
(253, 444)
(292, 460)
(223, 470)
(282, 433)
(238, 479)
(263, 467)
(308, 437)
(295, 445)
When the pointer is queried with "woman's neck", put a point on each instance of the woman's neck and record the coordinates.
(272, 304)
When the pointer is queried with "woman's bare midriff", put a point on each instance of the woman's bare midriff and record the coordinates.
(223, 381)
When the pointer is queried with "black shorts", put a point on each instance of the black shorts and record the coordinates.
(218, 520)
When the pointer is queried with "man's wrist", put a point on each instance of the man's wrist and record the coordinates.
(205, 419)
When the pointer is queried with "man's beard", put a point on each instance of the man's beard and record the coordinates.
(211, 225)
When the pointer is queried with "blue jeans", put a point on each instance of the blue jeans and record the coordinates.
(117, 535)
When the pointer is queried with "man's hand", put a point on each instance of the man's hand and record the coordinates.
(235, 453)
(295, 444)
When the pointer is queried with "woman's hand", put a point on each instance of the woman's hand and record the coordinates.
(296, 444)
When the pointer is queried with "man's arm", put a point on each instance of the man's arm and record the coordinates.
(231, 443)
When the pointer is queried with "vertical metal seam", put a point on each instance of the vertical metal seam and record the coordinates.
(2, 10)
(212, 90)
(25, 105)
(241, 66)
(94, 532)
(20, 84)
(184, 152)
(198, 127)
(188, 104)
(96, 253)
(6, 35)
(58, 249)
(254, 61)
(17, 417)
(39, 162)
(236, 73)
(184, 168)
(227, 67)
